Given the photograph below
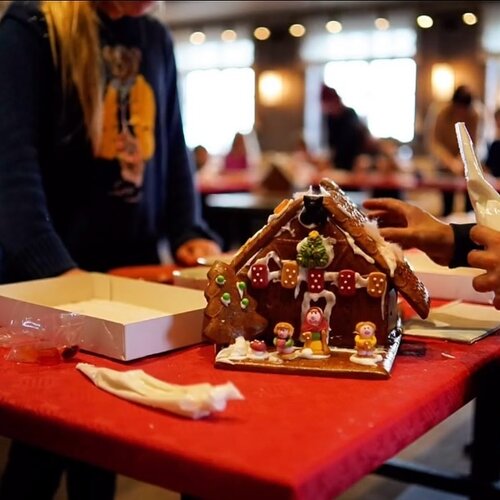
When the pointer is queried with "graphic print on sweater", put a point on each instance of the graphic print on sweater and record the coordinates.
(128, 119)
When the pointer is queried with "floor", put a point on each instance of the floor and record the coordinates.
(441, 448)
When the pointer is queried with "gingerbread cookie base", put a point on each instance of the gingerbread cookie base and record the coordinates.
(341, 362)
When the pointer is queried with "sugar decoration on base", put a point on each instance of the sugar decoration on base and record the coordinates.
(365, 343)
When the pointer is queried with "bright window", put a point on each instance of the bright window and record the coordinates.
(381, 91)
(217, 88)
(217, 103)
(373, 71)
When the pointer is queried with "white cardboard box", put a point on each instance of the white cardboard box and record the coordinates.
(175, 320)
(445, 283)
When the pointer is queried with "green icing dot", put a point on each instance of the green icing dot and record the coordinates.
(242, 285)
(220, 280)
(244, 303)
(225, 298)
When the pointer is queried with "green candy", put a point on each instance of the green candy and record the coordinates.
(226, 298)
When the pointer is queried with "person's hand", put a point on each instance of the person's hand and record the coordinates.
(412, 227)
(487, 259)
(456, 166)
(74, 270)
(189, 252)
(128, 151)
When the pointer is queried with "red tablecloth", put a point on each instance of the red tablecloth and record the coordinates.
(293, 437)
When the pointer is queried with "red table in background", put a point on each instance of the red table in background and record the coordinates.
(293, 437)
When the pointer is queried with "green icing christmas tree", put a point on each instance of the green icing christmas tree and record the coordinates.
(313, 252)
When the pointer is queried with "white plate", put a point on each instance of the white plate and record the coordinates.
(210, 259)
(191, 277)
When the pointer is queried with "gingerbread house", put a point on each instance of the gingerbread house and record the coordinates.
(314, 291)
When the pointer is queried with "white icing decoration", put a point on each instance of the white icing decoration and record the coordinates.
(332, 277)
(226, 302)
(314, 297)
(272, 217)
(367, 361)
(391, 252)
(241, 291)
(355, 248)
(287, 228)
(275, 276)
(258, 355)
(302, 276)
(360, 281)
(322, 192)
(234, 352)
(307, 353)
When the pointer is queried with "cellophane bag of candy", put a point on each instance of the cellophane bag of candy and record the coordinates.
(43, 340)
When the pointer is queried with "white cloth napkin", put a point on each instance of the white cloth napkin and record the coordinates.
(484, 197)
(195, 401)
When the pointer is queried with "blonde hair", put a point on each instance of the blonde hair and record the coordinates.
(74, 41)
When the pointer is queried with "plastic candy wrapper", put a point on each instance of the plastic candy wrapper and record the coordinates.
(44, 340)
(484, 197)
(194, 401)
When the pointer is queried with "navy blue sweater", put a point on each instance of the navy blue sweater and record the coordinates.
(61, 206)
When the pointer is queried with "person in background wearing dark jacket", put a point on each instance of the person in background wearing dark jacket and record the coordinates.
(492, 162)
(94, 171)
(451, 245)
(349, 139)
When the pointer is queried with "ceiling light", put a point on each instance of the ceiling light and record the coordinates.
(425, 21)
(382, 23)
(333, 26)
(228, 36)
(271, 88)
(469, 18)
(197, 37)
(297, 30)
(262, 33)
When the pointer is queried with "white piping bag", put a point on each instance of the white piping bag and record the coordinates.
(194, 401)
(484, 197)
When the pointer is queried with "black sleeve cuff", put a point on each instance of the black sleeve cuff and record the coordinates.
(463, 245)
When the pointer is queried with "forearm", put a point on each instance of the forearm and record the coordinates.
(29, 245)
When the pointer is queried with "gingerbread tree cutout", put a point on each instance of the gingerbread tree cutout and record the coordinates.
(231, 310)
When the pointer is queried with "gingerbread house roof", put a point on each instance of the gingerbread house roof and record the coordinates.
(355, 224)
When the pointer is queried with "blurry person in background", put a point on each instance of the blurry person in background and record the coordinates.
(492, 161)
(348, 138)
(244, 155)
(94, 171)
(442, 140)
(201, 156)
(236, 158)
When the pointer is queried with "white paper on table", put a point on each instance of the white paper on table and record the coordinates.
(458, 321)
(195, 401)
(484, 197)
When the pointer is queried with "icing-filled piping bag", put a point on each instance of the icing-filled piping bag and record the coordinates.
(194, 401)
(483, 196)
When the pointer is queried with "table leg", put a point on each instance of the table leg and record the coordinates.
(483, 482)
(485, 448)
